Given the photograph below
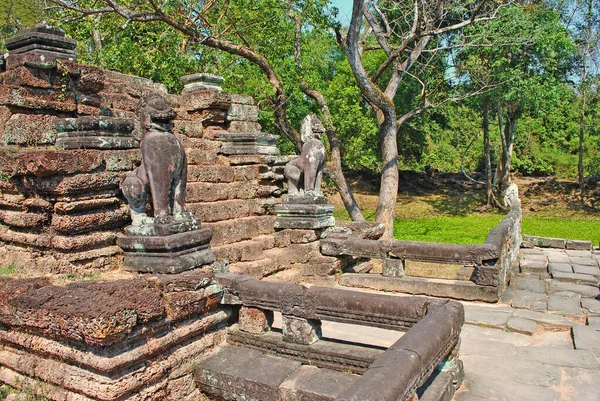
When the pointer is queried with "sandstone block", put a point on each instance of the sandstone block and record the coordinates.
(40, 99)
(205, 99)
(121, 160)
(210, 174)
(65, 185)
(211, 192)
(182, 305)
(244, 127)
(299, 330)
(83, 242)
(191, 129)
(29, 129)
(579, 245)
(242, 112)
(248, 173)
(209, 116)
(285, 237)
(27, 239)
(227, 232)
(226, 209)
(97, 220)
(245, 250)
(242, 99)
(21, 219)
(254, 320)
(33, 77)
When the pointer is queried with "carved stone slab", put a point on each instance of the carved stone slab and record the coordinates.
(260, 143)
(304, 216)
(95, 132)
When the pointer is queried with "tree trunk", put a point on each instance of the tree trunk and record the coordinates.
(581, 149)
(507, 134)
(487, 150)
(388, 191)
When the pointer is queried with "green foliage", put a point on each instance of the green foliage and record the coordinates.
(16, 15)
(9, 270)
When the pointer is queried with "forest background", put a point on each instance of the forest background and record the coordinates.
(521, 76)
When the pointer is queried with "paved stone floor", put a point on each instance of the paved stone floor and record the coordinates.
(542, 342)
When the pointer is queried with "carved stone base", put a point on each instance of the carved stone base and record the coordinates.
(309, 212)
(95, 132)
(173, 253)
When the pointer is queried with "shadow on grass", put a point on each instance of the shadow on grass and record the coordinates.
(460, 204)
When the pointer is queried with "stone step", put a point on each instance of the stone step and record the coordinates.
(238, 373)
(257, 268)
(245, 251)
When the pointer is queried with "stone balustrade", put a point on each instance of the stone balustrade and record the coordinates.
(483, 276)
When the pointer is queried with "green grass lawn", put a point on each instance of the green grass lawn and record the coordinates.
(473, 228)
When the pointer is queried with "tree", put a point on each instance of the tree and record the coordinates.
(18, 14)
(526, 54)
(243, 29)
(413, 37)
(582, 19)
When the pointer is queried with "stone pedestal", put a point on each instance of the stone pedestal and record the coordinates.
(39, 46)
(95, 132)
(201, 81)
(309, 212)
(172, 253)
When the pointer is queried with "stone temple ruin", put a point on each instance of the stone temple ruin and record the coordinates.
(107, 172)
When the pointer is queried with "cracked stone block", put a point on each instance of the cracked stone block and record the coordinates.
(575, 253)
(545, 242)
(591, 306)
(533, 265)
(299, 330)
(583, 269)
(577, 278)
(565, 303)
(579, 245)
(586, 337)
(254, 320)
(520, 325)
(586, 291)
(524, 299)
(560, 267)
(594, 322)
(545, 319)
(528, 252)
(563, 357)
(487, 316)
(585, 261)
(528, 283)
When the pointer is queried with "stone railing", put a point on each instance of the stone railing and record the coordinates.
(484, 272)
(431, 340)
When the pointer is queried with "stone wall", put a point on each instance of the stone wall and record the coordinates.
(109, 340)
(61, 209)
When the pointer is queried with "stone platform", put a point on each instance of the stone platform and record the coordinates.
(306, 212)
(167, 254)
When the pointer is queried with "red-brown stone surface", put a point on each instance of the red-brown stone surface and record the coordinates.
(103, 312)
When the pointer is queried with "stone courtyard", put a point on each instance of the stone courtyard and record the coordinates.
(535, 344)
